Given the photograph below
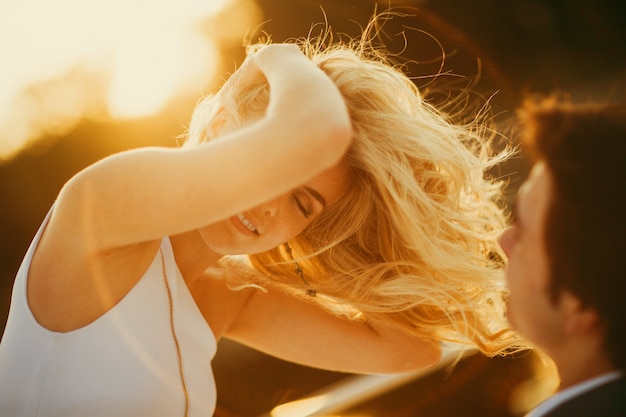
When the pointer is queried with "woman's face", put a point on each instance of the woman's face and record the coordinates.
(279, 220)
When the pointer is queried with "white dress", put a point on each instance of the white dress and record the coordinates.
(124, 363)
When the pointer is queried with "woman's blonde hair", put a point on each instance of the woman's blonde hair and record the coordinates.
(413, 242)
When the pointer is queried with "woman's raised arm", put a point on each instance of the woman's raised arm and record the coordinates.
(144, 194)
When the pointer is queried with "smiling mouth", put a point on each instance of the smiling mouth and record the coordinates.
(247, 223)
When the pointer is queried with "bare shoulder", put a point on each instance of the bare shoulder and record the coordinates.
(68, 279)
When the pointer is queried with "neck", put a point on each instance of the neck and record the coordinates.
(580, 363)
(192, 255)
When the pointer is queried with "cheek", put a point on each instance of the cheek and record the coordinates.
(526, 269)
(528, 307)
(525, 278)
(280, 230)
(290, 230)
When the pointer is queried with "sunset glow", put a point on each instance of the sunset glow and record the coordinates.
(69, 59)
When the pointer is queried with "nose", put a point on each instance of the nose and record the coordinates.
(505, 239)
(270, 208)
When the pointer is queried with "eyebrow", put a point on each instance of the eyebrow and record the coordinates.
(316, 195)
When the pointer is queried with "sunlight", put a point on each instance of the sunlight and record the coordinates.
(148, 72)
(69, 59)
(345, 393)
(304, 407)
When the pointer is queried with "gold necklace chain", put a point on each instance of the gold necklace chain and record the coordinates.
(179, 354)
(311, 292)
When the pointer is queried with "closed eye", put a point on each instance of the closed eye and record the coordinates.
(305, 212)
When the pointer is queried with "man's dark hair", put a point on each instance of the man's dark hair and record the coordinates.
(584, 149)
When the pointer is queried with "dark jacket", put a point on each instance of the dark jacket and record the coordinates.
(606, 400)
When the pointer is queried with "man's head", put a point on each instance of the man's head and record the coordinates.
(567, 249)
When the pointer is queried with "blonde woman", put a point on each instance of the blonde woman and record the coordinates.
(320, 211)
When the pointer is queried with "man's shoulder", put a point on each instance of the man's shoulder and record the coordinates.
(606, 400)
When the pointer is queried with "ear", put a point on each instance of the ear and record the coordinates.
(578, 318)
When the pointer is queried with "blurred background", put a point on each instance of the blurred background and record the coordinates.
(81, 79)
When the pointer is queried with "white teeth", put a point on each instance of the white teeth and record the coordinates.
(246, 222)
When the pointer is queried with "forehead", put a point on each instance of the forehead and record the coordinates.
(331, 183)
(533, 199)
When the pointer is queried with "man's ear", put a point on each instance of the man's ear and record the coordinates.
(578, 318)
